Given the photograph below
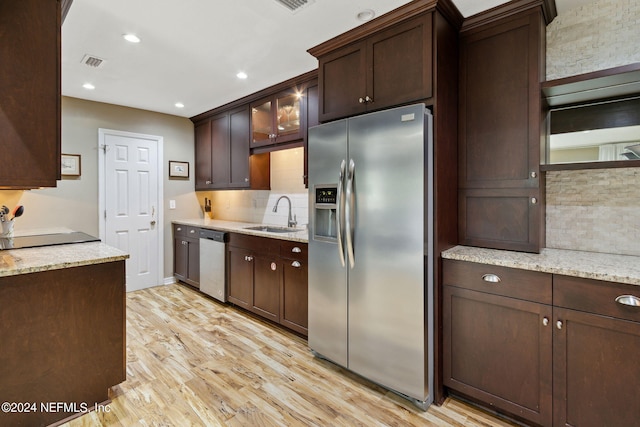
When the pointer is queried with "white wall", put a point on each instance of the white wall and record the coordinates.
(73, 203)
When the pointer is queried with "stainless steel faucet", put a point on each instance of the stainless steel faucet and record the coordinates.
(291, 222)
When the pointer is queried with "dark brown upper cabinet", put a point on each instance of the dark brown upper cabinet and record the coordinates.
(501, 190)
(278, 118)
(223, 159)
(233, 142)
(30, 88)
(387, 68)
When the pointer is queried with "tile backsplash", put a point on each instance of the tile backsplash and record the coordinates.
(596, 36)
(287, 169)
(594, 210)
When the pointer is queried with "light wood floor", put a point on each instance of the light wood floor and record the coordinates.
(194, 362)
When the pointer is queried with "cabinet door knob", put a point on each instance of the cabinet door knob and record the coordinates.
(192, 231)
(208, 182)
(361, 100)
(179, 229)
(184, 243)
(491, 278)
(559, 324)
(274, 266)
(629, 300)
(545, 321)
(296, 250)
(246, 180)
(534, 200)
(296, 264)
(368, 99)
(248, 258)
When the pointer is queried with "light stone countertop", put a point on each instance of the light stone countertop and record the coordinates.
(240, 227)
(589, 265)
(33, 260)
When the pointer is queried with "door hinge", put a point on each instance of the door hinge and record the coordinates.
(105, 214)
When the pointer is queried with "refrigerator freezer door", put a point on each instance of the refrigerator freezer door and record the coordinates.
(327, 276)
(386, 310)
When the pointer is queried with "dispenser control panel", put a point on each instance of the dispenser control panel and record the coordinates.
(326, 195)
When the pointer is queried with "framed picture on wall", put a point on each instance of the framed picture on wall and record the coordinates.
(70, 164)
(178, 169)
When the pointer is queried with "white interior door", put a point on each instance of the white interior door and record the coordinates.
(131, 199)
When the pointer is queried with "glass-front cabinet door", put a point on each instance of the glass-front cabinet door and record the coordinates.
(276, 119)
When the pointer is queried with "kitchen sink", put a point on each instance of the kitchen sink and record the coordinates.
(273, 229)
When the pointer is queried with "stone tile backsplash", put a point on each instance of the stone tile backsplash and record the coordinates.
(595, 210)
(596, 36)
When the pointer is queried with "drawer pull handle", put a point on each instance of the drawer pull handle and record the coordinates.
(491, 278)
(630, 300)
(296, 250)
(296, 264)
(545, 321)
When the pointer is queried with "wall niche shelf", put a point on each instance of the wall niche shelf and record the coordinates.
(602, 103)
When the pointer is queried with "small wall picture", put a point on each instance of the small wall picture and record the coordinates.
(178, 169)
(70, 164)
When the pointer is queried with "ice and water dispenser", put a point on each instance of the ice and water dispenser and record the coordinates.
(325, 209)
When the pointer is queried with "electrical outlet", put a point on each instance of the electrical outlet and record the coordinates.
(172, 204)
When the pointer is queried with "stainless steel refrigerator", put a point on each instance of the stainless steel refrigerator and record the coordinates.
(371, 248)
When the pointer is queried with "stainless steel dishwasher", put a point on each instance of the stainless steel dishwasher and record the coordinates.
(213, 252)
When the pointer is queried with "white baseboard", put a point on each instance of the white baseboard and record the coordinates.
(169, 280)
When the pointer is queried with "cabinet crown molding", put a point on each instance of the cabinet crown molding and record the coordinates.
(511, 8)
(396, 16)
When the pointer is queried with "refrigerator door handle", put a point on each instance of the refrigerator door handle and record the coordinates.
(350, 212)
(340, 212)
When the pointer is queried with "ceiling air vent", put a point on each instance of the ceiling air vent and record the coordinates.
(92, 61)
(295, 5)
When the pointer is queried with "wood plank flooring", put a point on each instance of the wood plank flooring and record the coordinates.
(192, 361)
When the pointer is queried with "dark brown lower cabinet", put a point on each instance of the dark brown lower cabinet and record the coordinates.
(294, 312)
(63, 339)
(266, 283)
(186, 254)
(572, 362)
(498, 351)
(240, 277)
(596, 345)
(266, 286)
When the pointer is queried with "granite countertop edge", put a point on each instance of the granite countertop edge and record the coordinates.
(240, 227)
(588, 265)
(33, 260)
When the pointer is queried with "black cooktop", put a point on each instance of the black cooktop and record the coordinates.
(37, 240)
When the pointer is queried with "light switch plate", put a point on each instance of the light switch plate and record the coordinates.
(172, 204)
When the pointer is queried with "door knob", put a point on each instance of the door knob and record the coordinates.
(153, 223)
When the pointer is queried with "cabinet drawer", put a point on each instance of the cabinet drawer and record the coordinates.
(293, 250)
(179, 230)
(255, 244)
(595, 296)
(511, 282)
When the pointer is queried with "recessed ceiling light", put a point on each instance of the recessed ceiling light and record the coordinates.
(366, 15)
(242, 75)
(179, 105)
(131, 38)
(88, 86)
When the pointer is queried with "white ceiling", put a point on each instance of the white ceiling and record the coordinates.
(191, 50)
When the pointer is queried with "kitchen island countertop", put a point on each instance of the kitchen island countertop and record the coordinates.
(588, 265)
(32, 260)
(241, 227)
